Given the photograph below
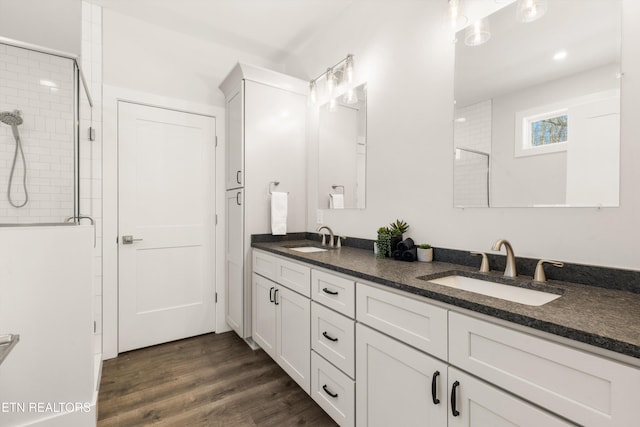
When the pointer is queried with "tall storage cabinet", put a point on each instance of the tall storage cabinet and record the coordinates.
(266, 142)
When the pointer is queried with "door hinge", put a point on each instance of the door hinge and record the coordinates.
(95, 326)
(216, 140)
(92, 133)
(117, 240)
(216, 297)
(216, 219)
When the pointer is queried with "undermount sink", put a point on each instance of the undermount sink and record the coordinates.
(308, 249)
(497, 290)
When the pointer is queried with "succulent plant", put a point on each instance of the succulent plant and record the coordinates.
(398, 228)
(425, 246)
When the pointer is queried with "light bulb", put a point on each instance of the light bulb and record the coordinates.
(530, 10)
(313, 92)
(331, 82)
(348, 70)
(351, 97)
(477, 33)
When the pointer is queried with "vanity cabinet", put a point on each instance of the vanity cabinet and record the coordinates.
(333, 345)
(282, 314)
(265, 117)
(585, 388)
(398, 359)
(397, 385)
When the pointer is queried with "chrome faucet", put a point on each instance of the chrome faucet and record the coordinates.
(320, 227)
(510, 268)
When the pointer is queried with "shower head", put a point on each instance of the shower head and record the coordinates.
(11, 118)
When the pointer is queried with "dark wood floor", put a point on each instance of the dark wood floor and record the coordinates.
(210, 380)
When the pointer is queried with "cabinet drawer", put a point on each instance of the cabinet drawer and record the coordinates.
(333, 391)
(579, 386)
(335, 292)
(333, 337)
(265, 264)
(294, 276)
(414, 322)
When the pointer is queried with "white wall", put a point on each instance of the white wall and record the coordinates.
(148, 58)
(403, 50)
(52, 23)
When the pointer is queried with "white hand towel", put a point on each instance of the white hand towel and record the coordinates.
(336, 201)
(278, 213)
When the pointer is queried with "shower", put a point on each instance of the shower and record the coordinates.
(14, 119)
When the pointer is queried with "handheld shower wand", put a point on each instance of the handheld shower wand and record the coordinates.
(14, 120)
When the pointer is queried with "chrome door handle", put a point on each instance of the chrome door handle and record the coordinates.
(128, 239)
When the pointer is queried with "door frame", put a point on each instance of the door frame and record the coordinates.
(112, 95)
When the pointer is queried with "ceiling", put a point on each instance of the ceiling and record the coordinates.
(272, 29)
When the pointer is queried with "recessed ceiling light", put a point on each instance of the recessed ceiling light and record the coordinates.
(48, 83)
(560, 55)
(460, 120)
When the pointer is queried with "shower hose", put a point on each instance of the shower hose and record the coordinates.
(24, 175)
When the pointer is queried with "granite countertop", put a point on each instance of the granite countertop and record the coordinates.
(605, 318)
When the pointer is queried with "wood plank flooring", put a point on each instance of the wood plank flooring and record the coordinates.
(209, 380)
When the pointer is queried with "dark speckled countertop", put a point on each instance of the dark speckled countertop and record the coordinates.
(605, 318)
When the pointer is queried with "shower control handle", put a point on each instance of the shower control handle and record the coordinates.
(128, 239)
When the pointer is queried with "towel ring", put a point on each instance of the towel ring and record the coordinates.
(275, 184)
(335, 187)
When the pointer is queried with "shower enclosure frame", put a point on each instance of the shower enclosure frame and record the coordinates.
(78, 79)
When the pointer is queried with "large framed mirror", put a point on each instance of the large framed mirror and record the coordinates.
(537, 107)
(342, 151)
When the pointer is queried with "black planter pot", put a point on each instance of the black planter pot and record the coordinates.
(394, 242)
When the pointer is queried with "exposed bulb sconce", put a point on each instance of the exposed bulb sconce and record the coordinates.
(337, 78)
(530, 10)
(477, 33)
(456, 18)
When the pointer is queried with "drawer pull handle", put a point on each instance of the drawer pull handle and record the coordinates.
(454, 411)
(326, 390)
(238, 177)
(329, 337)
(271, 294)
(275, 297)
(435, 399)
(327, 291)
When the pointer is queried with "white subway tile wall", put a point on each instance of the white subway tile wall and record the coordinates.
(471, 171)
(41, 87)
(91, 151)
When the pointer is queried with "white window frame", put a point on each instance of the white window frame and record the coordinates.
(524, 120)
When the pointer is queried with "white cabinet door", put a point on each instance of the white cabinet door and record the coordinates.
(478, 404)
(264, 314)
(293, 333)
(397, 385)
(235, 143)
(234, 261)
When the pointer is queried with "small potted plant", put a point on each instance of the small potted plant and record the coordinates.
(425, 253)
(397, 229)
(383, 243)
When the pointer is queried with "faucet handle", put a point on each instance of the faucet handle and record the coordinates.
(484, 265)
(339, 240)
(538, 275)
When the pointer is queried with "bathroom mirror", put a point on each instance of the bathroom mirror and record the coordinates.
(537, 108)
(342, 151)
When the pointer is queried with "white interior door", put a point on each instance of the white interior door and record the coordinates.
(166, 207)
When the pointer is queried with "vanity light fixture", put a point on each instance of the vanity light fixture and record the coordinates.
(530, 10)
(477, 33)
(337, 79)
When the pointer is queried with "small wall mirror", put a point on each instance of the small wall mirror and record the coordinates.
(342, 156)
(537, 113)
